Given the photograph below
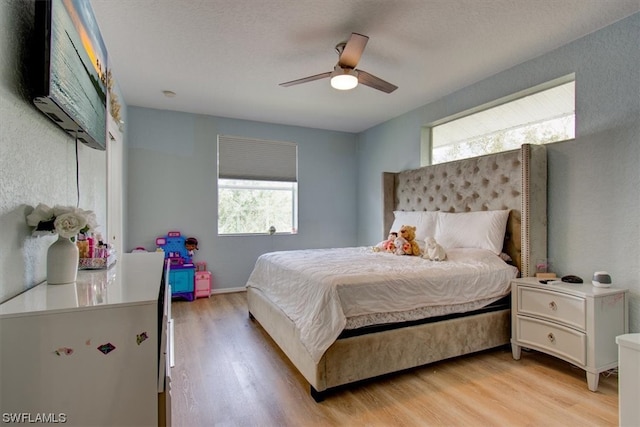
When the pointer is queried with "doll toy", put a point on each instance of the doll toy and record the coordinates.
(191, 244)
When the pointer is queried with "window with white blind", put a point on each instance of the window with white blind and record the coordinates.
(539, 115)
(257, 186)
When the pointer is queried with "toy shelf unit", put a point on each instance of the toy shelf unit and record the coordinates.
(181, 267)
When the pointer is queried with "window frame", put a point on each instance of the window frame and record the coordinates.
(246, 157)
(294, 206)
(427, 138)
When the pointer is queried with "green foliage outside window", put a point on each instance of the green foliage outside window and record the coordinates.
(252, 207)
(559, 129)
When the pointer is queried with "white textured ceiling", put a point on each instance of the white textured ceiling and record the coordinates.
(226, 57)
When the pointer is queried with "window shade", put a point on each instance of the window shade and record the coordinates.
(257, 159)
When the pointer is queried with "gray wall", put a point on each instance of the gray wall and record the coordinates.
(594, 180)
(37, 160)
(172, 186)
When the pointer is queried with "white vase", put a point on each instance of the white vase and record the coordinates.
(62, 262)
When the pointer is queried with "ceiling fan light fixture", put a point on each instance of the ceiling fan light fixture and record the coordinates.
(344, 78)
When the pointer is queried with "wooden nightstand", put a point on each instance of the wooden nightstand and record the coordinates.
(577, 323)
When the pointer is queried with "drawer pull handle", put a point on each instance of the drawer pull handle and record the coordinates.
(551, 337)
(553, 306)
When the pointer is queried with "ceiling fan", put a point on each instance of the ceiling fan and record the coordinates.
(345, 76)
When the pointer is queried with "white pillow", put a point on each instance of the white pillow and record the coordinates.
(427, 225)
(424, 221)
(481, 229)
(404, 218)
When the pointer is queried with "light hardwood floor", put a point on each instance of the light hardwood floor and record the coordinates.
(229, 373)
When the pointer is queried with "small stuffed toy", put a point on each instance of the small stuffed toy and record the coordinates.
(405, 243)
(402, 246)
(387, 245)
(433, 250)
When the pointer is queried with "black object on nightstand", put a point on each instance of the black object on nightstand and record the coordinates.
(572, 279)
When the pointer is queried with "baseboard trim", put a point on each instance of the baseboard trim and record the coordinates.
(228, 290)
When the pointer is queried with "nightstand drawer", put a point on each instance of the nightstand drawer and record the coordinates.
(566, 343)
(567, 309)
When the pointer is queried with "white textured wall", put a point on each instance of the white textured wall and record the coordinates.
(37, 160)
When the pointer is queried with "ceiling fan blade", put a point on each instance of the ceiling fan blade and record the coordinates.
(352, 51)
(306, 79)
(375, 82)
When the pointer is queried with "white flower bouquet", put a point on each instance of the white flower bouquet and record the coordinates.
(67, 221)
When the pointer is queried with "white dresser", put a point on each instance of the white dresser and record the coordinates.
(629, 380)
(575, 322)
(89, 353)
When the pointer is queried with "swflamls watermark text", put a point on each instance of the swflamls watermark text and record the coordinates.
(34, 418)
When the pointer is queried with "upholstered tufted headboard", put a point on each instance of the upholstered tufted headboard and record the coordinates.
(515, 180)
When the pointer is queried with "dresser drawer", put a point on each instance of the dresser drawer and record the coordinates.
(566, 343)
(567, 309)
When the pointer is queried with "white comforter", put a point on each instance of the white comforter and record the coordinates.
(319, 288)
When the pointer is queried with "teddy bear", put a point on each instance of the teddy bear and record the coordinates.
(387, 245)
(406, 241)
(433, 250)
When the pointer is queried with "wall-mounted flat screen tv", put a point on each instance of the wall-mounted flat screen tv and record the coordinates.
(70, 80)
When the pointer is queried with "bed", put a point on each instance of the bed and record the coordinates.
(347, 349)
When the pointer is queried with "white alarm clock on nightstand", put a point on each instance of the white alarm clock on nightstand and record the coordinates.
(601, 279)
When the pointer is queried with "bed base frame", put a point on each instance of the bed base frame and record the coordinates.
(515, 180)
(362, 357)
